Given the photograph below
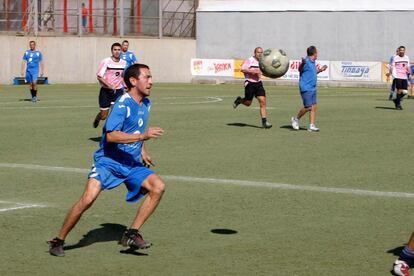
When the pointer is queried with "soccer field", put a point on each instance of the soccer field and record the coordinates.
(240, 200)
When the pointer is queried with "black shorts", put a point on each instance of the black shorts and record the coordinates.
(253, 89)
(107, 97)
(401, 84)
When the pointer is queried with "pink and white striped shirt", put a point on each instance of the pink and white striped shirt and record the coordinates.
(400, 67)
(251, 63)
(112, 71)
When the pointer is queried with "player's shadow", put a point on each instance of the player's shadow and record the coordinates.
(396, 251)
(223, 231)
(108, 232)
(242, 125)
(385, 107)
(291, 128)
(25, 100)
(95, 139)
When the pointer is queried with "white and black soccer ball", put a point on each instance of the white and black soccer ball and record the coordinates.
(274, 63)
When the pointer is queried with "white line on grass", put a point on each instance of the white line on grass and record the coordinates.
(209, 100)
(19, 206)
(35, 106)
(232, 182)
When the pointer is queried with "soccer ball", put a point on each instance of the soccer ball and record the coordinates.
(274, 63)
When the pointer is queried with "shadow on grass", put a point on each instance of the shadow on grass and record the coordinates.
(383, 100)
(291, 128)
(132, 252)
(385, 107)
(396, 251)
(223, 231)
(95, 139)
(25, 100)
(108, 232)
(242, 125)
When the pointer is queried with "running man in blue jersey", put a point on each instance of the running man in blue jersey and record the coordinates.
(32, 60)
(126, 55)
(122, 158)
(307, 85)
(411, 84)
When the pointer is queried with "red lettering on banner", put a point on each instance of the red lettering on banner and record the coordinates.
(218, 67)
(197, 63)
(295, 65)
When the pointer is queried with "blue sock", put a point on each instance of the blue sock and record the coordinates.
(407, 255)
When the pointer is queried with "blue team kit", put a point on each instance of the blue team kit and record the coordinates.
(33, 59)
(129, 57)
(307, 83)
(121, 163)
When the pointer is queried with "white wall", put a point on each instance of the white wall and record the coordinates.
(75, 59)
(354, 36)
(304, 5)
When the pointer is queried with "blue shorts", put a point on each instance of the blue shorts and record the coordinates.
(308, 98)
(84, 20)
(31, 76)
(111, 174)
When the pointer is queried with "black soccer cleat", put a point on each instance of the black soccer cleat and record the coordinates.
(133, 239)
(395, 103)
(95, 123)
(237, 102)
(266, 124)
(56, 247)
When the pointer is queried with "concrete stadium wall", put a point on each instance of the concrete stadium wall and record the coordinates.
(75, 59)
(353, 36)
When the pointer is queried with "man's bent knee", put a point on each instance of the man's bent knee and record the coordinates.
(92, 190)
(104, 114)
(247, 103)
(154, 185)
(262, 101)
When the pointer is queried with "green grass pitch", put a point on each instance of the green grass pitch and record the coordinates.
(307, 227)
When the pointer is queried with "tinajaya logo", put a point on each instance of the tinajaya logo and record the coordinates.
(354, 71)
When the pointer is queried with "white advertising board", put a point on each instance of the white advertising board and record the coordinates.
(293, 72)
(212, 67)
(355, 70)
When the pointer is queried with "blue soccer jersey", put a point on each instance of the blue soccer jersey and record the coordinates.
(308, 76)
(129, 117)
(33, 59)
(129, 57)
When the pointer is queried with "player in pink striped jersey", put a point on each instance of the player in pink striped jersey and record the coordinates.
(253, 86)
(401, 71)
(110, 76)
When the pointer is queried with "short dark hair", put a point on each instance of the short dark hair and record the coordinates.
(401, 47)
(133, 71)
(311, 50)
(32, 41)
(115, 44)
(125, 41)
(256, 49)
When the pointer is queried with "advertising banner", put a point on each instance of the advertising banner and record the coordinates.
(385, 70)
(212, 67)
(237, 70)
(293, 72)
(356, 71)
